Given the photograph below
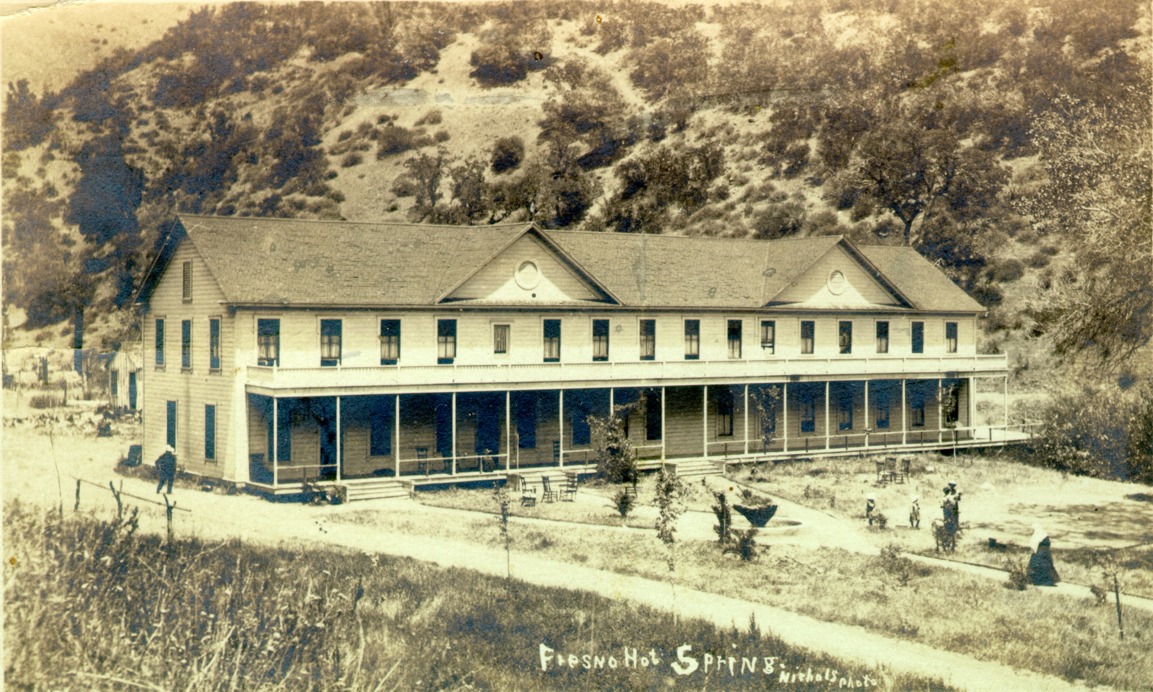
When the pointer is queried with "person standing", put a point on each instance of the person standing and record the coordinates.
(1041, 571)
(166, 468)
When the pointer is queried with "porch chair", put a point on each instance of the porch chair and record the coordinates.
(422, 460)
(549, 495)
(568, 488)
(903, 472)
(527, 495)
(891, 469)
(881, 475)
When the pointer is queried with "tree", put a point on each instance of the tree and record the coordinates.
(27, 120)
(615, 456)
(1098, 195)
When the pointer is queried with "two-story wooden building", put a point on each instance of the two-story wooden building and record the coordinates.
(278, 351)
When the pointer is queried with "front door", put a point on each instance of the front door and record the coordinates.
(132, 391)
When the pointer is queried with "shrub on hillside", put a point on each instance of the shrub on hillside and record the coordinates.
(1009, 270)
(507, 154)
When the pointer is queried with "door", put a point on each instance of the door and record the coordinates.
(132, 391)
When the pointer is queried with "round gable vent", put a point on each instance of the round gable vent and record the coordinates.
(527, 275)
(836, 282)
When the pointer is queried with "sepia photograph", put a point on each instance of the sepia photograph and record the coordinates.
(577, 345)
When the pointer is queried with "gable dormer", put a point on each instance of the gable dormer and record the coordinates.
(839, 280)
(530, 270)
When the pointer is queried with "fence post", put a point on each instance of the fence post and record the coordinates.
(76, 507)
(116, 496)
(168, 507)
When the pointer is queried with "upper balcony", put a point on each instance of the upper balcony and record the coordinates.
(320, 381)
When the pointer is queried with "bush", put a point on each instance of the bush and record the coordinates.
(392, 141)
(1018, 575)
(507, 154)
(42, 401)
(350, 159)
(1039, 260)
(744, 544)
(625, 502)
(1009, 270)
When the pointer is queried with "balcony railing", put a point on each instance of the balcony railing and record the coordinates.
(670, 372)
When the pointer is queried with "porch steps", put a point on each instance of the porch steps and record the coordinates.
(374, 489)
(693, 468)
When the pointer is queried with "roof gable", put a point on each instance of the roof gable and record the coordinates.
(838, 280)
(528, 271)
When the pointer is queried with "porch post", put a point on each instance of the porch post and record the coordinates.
(904, 427)
(275, 441)
(664, 433)
(785, 407)
(454, 433)
(508, 430)
(972, 408)
(396, 433)
(339, 435)
(866, 414)
(746, 423)
(940, 419)
(705, 419)
(560, 425)
(1005, 382)
(827, 438)
(612, 402)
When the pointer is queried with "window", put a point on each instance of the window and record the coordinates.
(330, 333)
(210, 432)
(917, 409)
(950, 337)
(114, 382)
(734, 332)
(445, 341)
(160, 342)
(186, 344)
(654, 425)
(692, 339)
(380, 428)
(600, 339)
(808, 415)
(551, 341)
(845, 410)
(807, 336)
(268, 342)
(389, 342)
(214, 344)
(724, 415)
(769, 336)
(186, 284)
(648, 339)
(881, 410)
(170, 419)
(500, 337)
(918, 337)
(882, 337)
(845, 336)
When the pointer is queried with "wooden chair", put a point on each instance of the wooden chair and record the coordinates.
(527, 495)
(422, 460)
(881, 477)
(891, 469)
(903, 470)
(569, 488)
(548, 494)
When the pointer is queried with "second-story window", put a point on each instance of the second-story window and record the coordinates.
(918, 337)
(330, 334)
(600, 339)
(551, 341)
(500, 339)
(268, 342)
(160, 342)
(389, 342)
(845, 336)
(806, 336)
(186, 344)
(692, 339)
(445, 341)
(734, 332)
(950, 337)
(648, 339)
(186, 283)
(769, 336)
(214, 344)
(882, 336)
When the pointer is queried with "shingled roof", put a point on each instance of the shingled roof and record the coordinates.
(264, 261)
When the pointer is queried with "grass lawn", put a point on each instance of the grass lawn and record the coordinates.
(93, 604)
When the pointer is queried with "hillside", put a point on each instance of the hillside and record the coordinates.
(985, 134)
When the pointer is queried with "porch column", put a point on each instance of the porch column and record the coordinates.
(972, 394)
(275, 440)
(904, 427)
(560, 425)
(866, 414)
(827, 438)
(612, 402)
(339, 435)
(785, 407)
(508, 430)
(746, 424)
(1005, 382)
(664, 428)
(705, 419)
(396, 434)
(940, 405)
(454, 433)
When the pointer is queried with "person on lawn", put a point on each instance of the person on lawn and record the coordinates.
(1041, 571)
(166, 468)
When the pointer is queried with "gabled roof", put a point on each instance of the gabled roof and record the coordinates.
(269, 261)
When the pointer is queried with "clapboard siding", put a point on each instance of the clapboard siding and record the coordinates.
(194, 387)
(496, 281)
(814, 282)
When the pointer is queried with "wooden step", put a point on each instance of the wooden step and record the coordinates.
(692, 468)
(376, 489)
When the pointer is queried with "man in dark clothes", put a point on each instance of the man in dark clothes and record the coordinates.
(166, 468)
(1041, 571)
